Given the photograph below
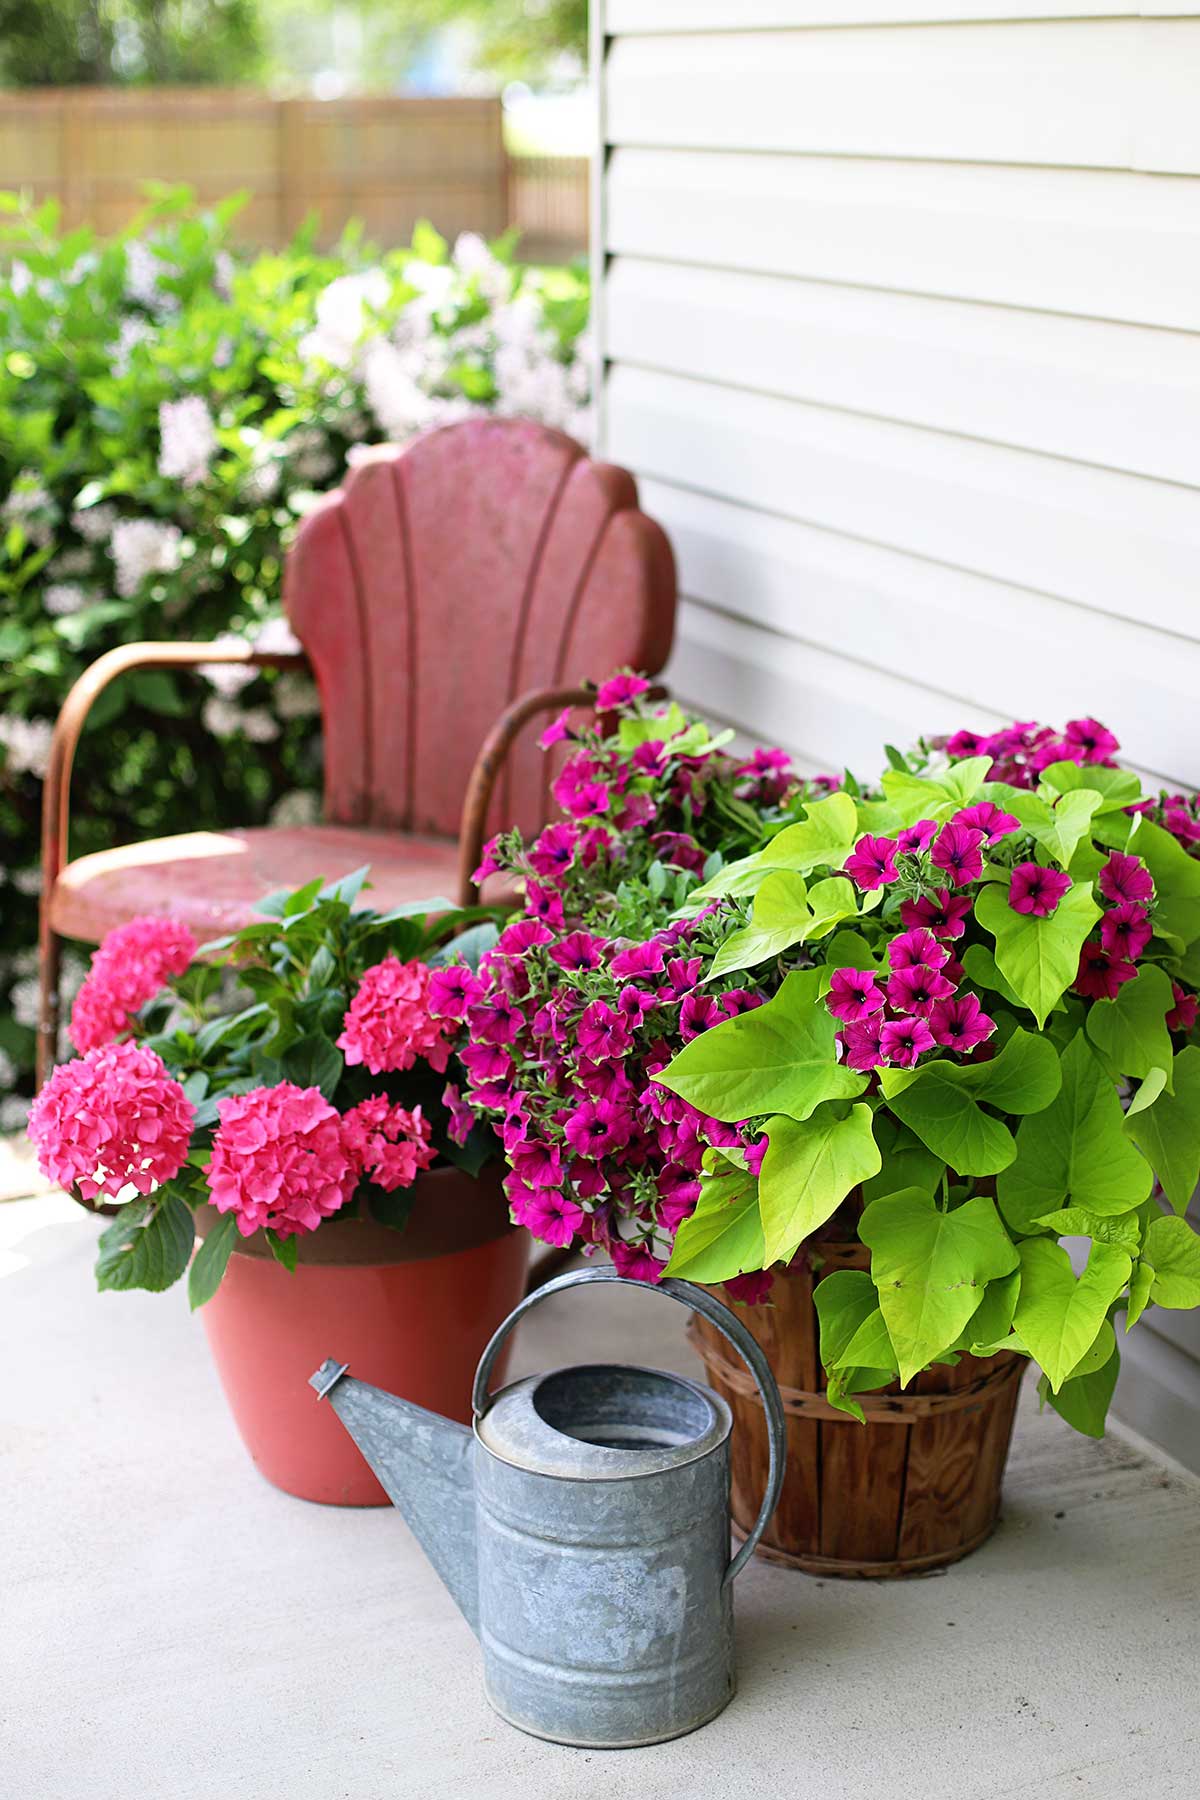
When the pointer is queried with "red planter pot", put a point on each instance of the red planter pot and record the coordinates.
(409, 1311)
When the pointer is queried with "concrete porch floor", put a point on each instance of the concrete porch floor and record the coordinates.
(173, 1627)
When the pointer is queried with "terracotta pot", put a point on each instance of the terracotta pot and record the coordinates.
(409, 1311)
(918, 1485)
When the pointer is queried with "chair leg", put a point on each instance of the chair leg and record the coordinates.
(49, 974)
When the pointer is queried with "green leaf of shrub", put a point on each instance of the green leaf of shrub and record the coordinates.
(931, 1268)
(778, 1058)
(314, 1062)
(824, 838)
(1176, 878)
(1117, 787)
(939, 1101)
(1039, 958)
(1083, 1400)
(724, 1236)
(1168, 1132)
(843, 1301)
(1140, 1284)
(1130, 1032)
(210, 1261)
(809, 1168)
(1057, 1315)
(147, 1245)
(786, 912)
(1173, 1250)
(285, 1250)
(1075, 1150)
(1077, 1221)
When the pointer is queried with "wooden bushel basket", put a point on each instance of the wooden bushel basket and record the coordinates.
(915, 1487)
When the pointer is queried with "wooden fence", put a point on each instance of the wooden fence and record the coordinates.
(387, 161)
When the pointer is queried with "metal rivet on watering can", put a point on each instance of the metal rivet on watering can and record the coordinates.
(583, 1529)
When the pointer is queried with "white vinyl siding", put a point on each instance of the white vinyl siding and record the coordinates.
(900, 326)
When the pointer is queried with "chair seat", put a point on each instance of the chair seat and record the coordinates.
(213, 879)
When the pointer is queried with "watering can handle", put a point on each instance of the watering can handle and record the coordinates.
(726, 1322)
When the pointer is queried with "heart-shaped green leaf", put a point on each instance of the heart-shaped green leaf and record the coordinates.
(809, 1168)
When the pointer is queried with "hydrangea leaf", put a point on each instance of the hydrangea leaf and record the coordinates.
(1140, 1284)
(780, 1058)
(1038, 957)
(809, 1168)
(824, 838)
(210, 1260)
(934, 797)
(1076, 1221)
(1130, 1032)
(1083, 1400)
(786, 912)
(1118, 788)
(724, 1235)
(939, 1101)
(931, 1268)
(1173, 1251)
(1075, 1150)
(1176, 878)
(147, 1245)
(1168, 1131)
(1057, 1314)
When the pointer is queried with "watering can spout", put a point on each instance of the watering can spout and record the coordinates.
(424, 1462)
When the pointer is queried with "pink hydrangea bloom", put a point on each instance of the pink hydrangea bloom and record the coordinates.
(960, 1024)
(1036, 891)
(1182, 1016)
(751, 1290)
(958, 853)
(281, 1158)
(128, 969)
(853, 994)
(1100, 975)
(620, 690)
(943, 913)
(1125, 880)
(985, 816)
(388, 1143)
(390, 1023)
(112, 1119)
(872, 864)
(903, 1040)
(1125, 931)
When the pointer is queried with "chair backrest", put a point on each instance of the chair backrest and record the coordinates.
(445, 579)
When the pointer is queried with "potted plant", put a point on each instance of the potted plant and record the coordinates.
(287, 1097)
(875, 1076)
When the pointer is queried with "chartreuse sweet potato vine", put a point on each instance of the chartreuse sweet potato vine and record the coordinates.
(982, 995)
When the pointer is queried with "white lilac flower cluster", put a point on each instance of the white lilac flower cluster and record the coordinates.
(188, 440)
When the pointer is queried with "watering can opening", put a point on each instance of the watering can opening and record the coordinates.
(619, 1408)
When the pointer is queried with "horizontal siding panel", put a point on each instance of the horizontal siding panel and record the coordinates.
(924, 623)
(1117, 395)
(1114, 94)
(1117, 542)
(641, 17)
(1124, 247)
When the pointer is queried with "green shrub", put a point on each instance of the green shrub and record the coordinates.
(169, 408)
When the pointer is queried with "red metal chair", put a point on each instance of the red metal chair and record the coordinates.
(444, 597)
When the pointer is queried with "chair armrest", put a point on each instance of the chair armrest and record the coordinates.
(56, 794)
(488, 765)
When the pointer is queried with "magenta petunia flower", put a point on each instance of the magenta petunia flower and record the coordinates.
(517, 938)
(650, 758)
(915, 838)
(462, 1118)
(966, 743)
(1036, 891)
(602, 1032)
(485, 1062)
(1180, 822)
(1125, 880)
(596, 1127)
(453, 989)
(111, 1119)
(638, 959)
(556, 732)
(1090, 742)
(917, 949)
(958, 853)
(636, 1262)
(683, 972)
(872, 864)
(552, 854)
(903, 1040)
(985, 816)
(1182, 1016)
(490, 864)
(496, 1020)
(755, 1153)
(389, 1025)
(679, 849)
(739, 1000)
(620, 690)
(537, 1164)
(853, 994)
(549, 1215)
(578, 791)
(678, 1192)
(863, 1044)
(960, 1024)
(1100, 975)
(917, 990)
(544, 903)
(943, 913)
(579, 950)
(750, 1290)
(282, 1158)
(1125, 932)
(699, 1013)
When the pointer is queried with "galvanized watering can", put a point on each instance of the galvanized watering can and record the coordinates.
(583, 1528)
